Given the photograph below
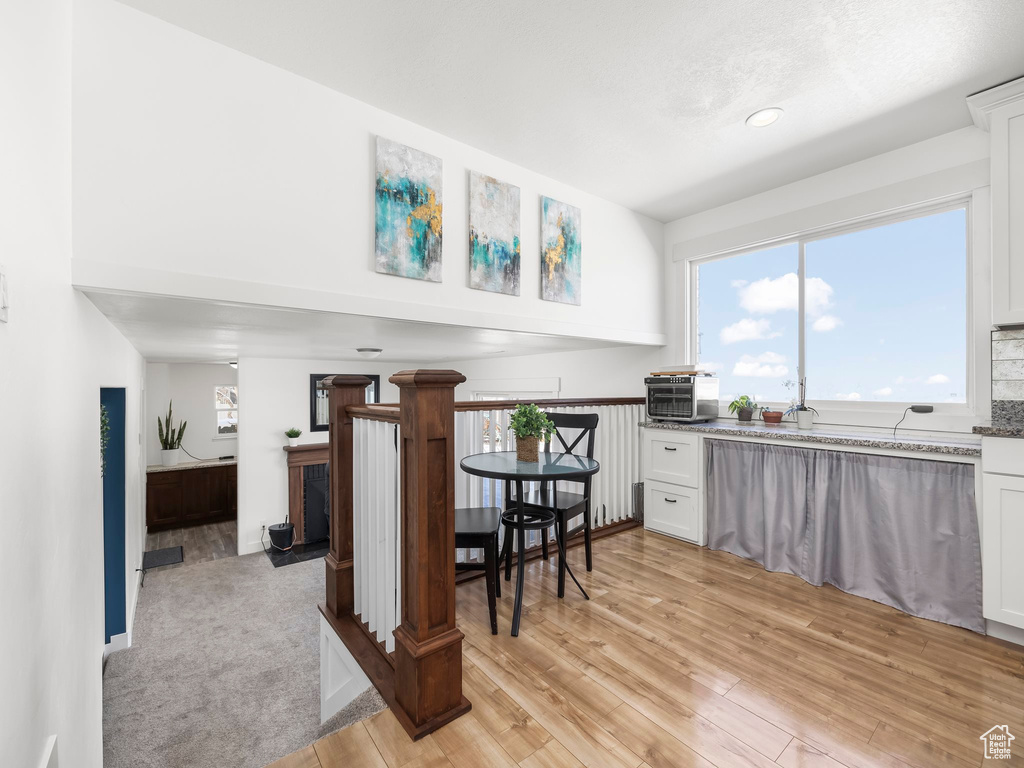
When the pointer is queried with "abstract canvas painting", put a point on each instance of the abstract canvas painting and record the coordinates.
(493, 235)
(560, 251)
(407, 225)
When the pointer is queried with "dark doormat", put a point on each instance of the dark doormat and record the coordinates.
(299, 553)
(158, 557)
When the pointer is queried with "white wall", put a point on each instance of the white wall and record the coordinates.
(614, 372)
(190, 387)
(273, 395)
(242, 171)
(57, 351)
(951, 164)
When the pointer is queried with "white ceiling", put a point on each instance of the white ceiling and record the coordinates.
(643, 103)
(175, 330)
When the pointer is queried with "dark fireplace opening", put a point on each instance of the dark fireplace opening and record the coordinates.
(315, 511)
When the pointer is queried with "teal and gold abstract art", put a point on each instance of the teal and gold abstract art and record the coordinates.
(407, 225)
(560, 252)
(493, 235)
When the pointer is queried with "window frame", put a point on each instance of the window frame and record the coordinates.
(217, 434)
(950, 416)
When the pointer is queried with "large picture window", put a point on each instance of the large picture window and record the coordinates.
(873, 314)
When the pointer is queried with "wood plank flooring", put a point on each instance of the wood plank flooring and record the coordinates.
(687, 657)
(199, 543)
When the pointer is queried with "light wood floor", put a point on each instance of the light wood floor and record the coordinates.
(687, 657)
(199, 543)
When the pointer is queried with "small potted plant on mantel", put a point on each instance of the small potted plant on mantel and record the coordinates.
(293, 436)
(530, 425)
(744, 408)
(798, 405)
(170, 438)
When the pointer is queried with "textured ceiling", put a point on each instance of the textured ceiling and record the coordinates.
(643, 103)
(173, 330)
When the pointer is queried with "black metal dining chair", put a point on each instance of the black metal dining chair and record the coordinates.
(477, 528)
(567, 505)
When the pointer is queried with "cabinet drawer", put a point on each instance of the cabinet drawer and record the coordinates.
(1004, 455)
(673, 510)
(672, 458)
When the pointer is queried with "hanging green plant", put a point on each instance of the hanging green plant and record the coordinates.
(104, 439)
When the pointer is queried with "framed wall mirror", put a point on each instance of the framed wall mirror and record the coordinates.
(319, 414)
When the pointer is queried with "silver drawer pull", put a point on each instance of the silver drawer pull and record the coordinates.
(669, 449)
(670, 501)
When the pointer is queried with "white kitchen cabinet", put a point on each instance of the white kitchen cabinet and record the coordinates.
(673, 510)
(673, 499)
(1002, 548)
(1000, 111)
(672, 457)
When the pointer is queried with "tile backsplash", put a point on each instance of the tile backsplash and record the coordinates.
(1008, 375)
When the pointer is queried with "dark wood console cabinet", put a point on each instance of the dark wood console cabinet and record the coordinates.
(191, 496)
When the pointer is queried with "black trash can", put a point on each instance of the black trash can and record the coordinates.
(281, 536)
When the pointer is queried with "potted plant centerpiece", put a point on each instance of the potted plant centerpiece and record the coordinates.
(293, 436)
(743, 407)
(530, 425)
(804, 413)
(170, 438)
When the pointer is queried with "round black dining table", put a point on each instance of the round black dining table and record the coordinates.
(549, 467)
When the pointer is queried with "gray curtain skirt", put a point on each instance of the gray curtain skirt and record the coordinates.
(903, 532)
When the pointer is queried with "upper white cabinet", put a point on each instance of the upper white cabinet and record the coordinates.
(1000, 111)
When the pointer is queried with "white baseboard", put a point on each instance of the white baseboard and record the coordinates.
(248, 549)
(49, 758)
(341, 677)
(117, 643)
(1005, 632)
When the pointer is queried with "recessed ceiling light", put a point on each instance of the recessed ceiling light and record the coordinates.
(764, 117)
(369, 352)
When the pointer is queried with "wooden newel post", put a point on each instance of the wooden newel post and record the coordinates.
(428, 646)
(343, 391)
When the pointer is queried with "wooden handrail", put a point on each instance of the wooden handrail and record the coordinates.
(390, 413)
(550, 402)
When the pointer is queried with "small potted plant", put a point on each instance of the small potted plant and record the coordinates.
(530, 425)
(293, 436)
(170, 438)
(743, 407)
(798, 405)
(768, 416)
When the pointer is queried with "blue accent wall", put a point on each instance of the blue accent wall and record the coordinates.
(114, 588)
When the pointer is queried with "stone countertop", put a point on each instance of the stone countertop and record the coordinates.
(956, 446)
(1000, 429)
(191, 465)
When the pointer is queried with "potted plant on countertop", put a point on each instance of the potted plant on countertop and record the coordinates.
(293, 436)
(768, 416)
(170, 438)
(804, 413)
(530, 425)
(743, 407)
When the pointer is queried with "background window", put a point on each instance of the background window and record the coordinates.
(747, 324)
(226, 400)
(890, 318)
(884, 316)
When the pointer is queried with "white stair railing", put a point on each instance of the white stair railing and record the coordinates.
(377, 493)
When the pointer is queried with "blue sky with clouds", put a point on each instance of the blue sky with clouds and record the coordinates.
(886, 315)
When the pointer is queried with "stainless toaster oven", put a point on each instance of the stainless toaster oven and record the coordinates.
(682, 398)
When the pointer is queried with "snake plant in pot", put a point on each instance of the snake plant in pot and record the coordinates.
(530, 425)
(170, 438)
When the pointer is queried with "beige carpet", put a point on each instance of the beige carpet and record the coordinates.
(224, 670)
